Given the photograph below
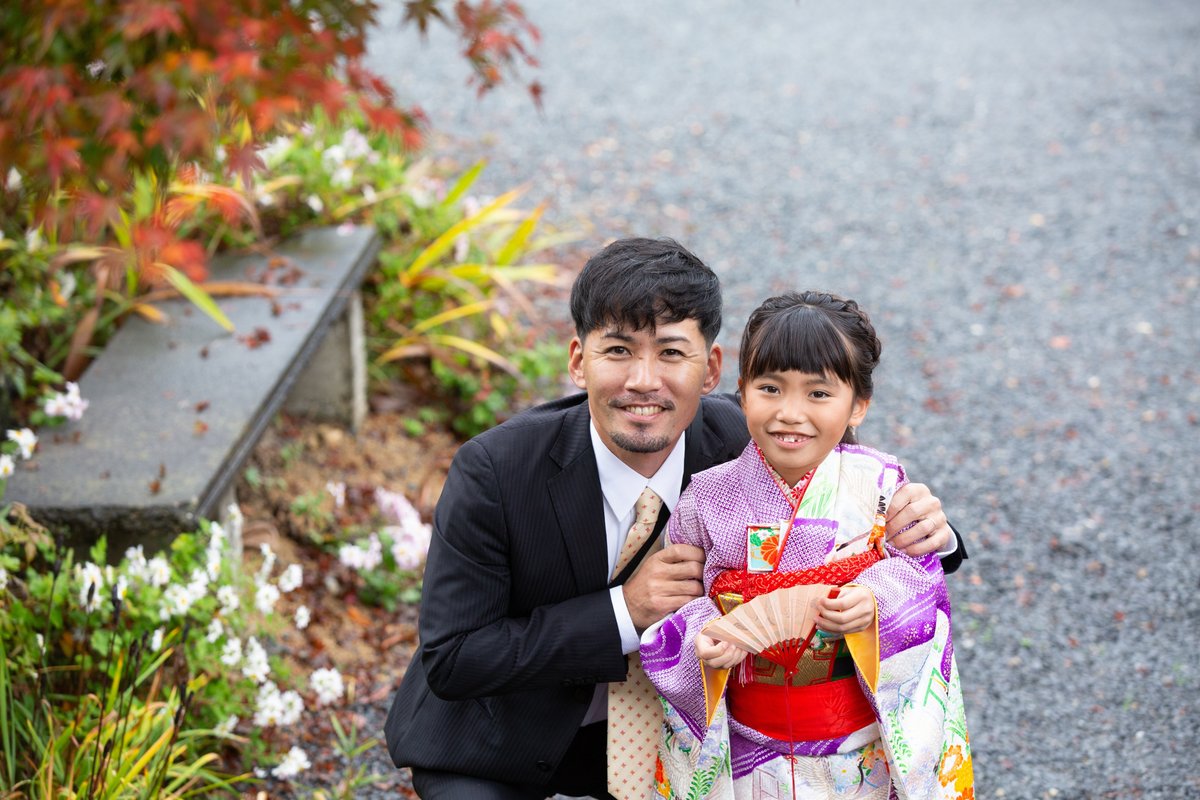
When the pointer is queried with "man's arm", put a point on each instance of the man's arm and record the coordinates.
(471, 647)
(917, 525)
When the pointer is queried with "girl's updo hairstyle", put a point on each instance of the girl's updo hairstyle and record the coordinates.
(811, 332)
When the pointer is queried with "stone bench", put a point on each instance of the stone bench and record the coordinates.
(175, 409)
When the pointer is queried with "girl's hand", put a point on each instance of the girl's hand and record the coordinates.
(718, 655)
(851, 611)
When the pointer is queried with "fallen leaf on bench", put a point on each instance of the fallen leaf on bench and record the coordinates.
(200, 428)
(257, 339)
(202, 406)
(155, 486)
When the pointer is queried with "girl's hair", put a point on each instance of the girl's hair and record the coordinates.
(811, 332)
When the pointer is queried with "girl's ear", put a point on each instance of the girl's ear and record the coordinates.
(858, 411)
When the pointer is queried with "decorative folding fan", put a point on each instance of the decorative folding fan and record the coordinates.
(777, 625)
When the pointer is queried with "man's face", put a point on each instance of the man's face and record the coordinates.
(644, 386)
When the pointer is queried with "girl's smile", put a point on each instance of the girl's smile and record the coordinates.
(797, 418)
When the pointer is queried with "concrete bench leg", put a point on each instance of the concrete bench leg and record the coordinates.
(334, 385)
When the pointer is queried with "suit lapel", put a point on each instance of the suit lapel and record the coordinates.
(577, 501)
(698, 448)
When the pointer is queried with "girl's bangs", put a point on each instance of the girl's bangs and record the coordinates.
(801, 339)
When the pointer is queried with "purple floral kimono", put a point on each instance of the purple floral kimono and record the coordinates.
(916, 748)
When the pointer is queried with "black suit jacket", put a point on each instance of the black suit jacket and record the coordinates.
(516, 624)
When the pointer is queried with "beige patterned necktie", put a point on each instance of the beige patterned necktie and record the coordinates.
(634, 714)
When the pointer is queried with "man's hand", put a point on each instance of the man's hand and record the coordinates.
(664, 582)
(718, 655)
(913, 504)
(851, 611)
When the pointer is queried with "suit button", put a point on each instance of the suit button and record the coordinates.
(543, 766)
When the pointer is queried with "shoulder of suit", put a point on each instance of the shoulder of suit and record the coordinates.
(722, 412)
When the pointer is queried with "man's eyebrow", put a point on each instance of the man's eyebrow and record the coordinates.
(618, 334)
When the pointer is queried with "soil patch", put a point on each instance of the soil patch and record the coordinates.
(285, 495)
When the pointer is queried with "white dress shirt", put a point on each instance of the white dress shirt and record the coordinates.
(621, 486)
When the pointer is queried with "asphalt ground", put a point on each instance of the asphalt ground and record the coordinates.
(1012, 189)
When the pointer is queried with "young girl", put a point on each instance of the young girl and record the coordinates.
(872, 707)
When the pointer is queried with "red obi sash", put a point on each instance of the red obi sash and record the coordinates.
(814, 712)
(801, 713)
(752, 584)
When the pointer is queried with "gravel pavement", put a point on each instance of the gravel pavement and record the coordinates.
(1012, 189)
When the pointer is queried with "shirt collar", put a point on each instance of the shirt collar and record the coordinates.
(622, 485)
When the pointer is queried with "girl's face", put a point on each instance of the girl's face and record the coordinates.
(797, 418)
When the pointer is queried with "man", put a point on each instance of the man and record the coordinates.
(523, 623)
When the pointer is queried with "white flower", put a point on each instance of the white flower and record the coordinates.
(295, 762)
(159, 570)
(3, 579)
(337, 490)
(220, 154)
(212, 563)
(227, 596)
(216, 535)
(41, 642)
(396, 507)
(254, 664)
(327, 683)
(355, 144)
(314, 202)
(216, 629)
(268, 706)
(407, 554)
(91, 586)
(334, 156)
(358, 557)
(264, 198)
(268, 564)
(26, 441)
(293, 707)
(368, 193)
(236, 520)
(462, 248)
(342, 176)
(177, 601)
(265, 598)
(95, 68)
(275, 150)
(156, 640)
(291, 578)
(302, 617)
(55, 406)
(198, 586)
(7, 466)
(66, 404)
(136, 566)
(14, 179)
(122, 587)
(226, 727)
(33, 239)
(231, 654)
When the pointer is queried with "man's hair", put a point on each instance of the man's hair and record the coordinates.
(641, 283)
